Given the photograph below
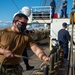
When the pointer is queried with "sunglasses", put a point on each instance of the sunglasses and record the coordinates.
(23, 23)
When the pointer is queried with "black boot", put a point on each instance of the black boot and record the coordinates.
(29, 67)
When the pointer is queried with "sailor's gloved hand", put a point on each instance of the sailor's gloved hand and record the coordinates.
(73, 43)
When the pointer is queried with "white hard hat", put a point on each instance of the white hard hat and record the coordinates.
(25, 10)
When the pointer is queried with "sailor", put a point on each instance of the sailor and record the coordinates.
(64, 9)
(13, 42)
(64, 38)
(25, 53)
(53, 7)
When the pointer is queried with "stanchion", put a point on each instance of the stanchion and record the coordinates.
(71, 47)
(45, 70)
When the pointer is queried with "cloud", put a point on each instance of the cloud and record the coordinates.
(0, 21)
(5, 24)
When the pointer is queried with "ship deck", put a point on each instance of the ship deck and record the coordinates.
(36, 64)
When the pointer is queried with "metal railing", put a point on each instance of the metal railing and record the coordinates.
(41, 12)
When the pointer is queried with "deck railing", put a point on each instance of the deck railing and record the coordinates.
(41, 12)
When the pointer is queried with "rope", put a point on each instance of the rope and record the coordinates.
(43, 64)
(35, 72)
(34, 59)
(15, 5)
(40, 72)
(1, 65)
(18, 56)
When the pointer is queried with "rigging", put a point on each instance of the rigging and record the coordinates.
(15, 5)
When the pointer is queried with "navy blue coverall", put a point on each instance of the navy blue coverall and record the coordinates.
(64, 38)
(53, 6)
(64, 9)
(28, 67)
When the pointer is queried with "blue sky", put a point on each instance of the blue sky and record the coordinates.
(7, 8)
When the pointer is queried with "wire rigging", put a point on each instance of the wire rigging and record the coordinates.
(44, 2)
(58, 7)
(15, 5)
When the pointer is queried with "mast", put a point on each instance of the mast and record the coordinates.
(46, 3)
(71, 65)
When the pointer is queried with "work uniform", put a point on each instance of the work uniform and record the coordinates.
(64, 10)
(53, 6)
(64, 38)
(16, 43)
